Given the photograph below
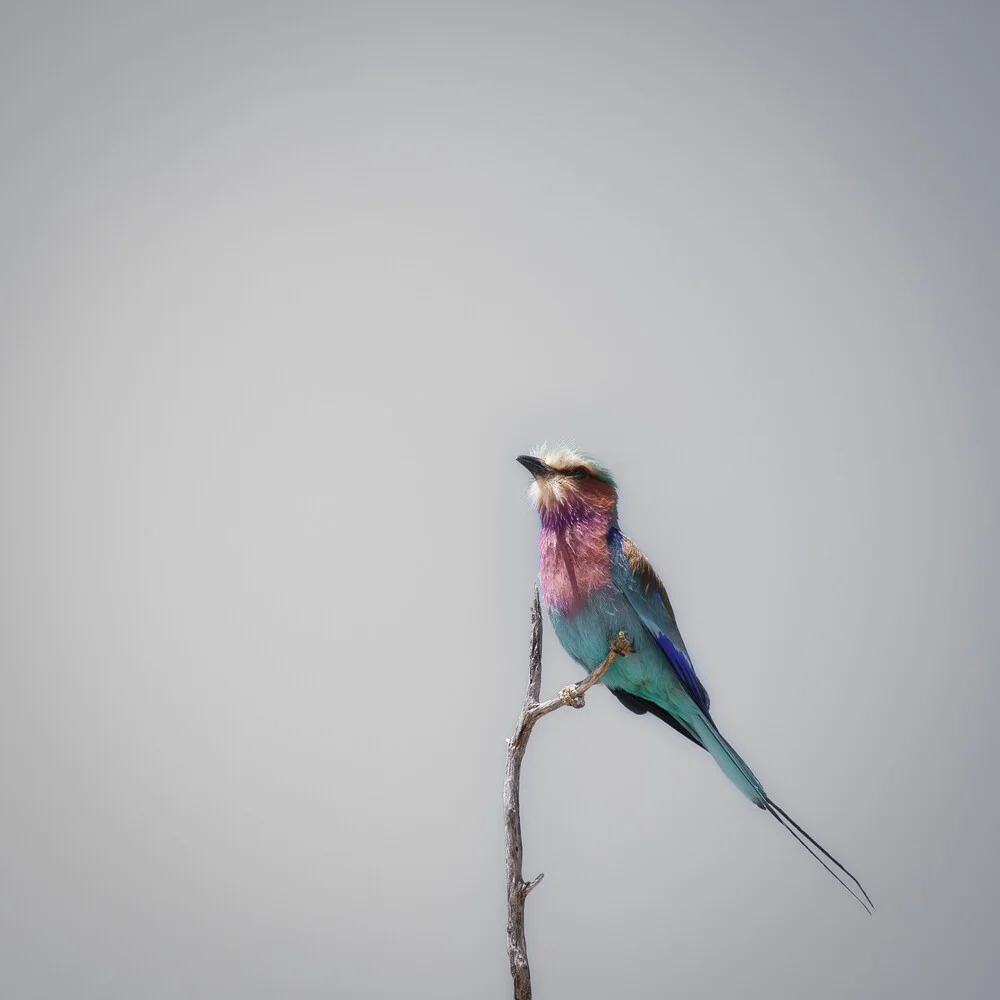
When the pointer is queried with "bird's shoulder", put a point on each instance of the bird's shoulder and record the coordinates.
(639, 567)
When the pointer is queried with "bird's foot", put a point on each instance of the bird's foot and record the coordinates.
(620, 644)
(571, 696)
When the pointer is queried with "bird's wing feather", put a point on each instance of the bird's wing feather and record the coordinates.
(636, 579)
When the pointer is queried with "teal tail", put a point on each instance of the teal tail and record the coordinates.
(729, 760)
(737, 771)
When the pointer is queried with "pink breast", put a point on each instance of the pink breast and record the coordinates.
(574, 562)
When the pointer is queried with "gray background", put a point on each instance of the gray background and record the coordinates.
(285, 292)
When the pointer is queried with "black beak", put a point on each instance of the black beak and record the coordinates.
(533, 465)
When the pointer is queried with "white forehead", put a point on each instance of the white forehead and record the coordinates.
(562, 458)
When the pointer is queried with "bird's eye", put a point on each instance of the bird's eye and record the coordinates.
(579, 473)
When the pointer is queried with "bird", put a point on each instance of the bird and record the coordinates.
(596, 583)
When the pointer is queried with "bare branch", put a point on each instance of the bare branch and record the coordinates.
(531, 712)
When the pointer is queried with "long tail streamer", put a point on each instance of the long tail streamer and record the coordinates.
(820, 853)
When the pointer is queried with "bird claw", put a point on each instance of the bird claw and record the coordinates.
(571, 696)
(620, 644)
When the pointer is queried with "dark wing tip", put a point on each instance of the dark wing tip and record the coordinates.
(640, 706)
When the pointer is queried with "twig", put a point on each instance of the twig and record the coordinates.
(531, 712)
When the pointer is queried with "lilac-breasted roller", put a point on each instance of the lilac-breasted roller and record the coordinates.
(595, 583)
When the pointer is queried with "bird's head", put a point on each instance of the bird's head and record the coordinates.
(568, 485)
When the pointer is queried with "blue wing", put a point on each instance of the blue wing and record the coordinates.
(635, 578)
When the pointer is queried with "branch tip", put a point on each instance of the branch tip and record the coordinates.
(528, 886)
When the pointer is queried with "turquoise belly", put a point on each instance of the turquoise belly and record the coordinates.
(587, 634)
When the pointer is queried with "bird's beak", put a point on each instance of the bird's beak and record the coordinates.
(534, 465)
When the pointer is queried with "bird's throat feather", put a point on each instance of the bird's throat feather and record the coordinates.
(574, 561)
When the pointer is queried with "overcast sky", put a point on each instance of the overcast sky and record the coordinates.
(283, 293)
